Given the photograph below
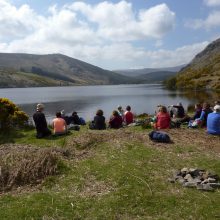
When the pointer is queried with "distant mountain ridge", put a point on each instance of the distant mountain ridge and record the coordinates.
(57, 68)
(203, 72)
(144, 71)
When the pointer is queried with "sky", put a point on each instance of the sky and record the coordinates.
(126, 34)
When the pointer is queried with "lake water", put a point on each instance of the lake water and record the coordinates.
(87, 99)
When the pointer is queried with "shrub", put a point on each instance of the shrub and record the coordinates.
(10, 115)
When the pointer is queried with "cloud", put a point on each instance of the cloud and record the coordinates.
(104, 34)
(212, 3)
(212, 21)
(118, 22)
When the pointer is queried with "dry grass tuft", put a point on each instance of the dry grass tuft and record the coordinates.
(25, 165)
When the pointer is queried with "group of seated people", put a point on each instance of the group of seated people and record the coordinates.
(204, 116)
(118, 118)
(62, 123)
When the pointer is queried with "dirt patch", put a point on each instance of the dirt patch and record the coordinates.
(93, 187)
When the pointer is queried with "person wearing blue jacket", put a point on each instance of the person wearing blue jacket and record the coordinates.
(213, 121)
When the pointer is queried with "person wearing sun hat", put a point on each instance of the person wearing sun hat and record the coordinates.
(40, 122)
(213, 121)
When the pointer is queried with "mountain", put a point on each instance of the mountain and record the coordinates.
(144, 71)
(203, 72)
(158, 76)
(24, 70)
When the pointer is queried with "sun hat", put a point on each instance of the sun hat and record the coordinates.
(217, 108)
(40, 106)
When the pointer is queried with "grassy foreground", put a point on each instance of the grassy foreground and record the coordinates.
(116, 174)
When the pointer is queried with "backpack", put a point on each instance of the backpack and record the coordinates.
(159, 136)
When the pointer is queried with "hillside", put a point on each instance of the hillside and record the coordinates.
(145, 71)
(158, 76)
(53, 69)
(203, 72)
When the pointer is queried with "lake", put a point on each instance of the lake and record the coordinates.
(87, 99)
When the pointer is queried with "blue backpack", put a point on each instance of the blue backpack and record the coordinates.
(159, 136)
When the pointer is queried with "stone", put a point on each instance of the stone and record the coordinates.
(194, 172)
(215, 185)
(205, 187)
(190, 184)
(181, 180)
(188, 177)
(184, 170)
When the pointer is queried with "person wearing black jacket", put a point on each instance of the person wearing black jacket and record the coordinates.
(40, 122)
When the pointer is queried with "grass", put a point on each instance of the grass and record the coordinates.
(118, 174)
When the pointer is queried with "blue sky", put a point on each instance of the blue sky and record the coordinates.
(111, 34)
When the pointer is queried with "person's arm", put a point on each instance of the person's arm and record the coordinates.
(202, 116)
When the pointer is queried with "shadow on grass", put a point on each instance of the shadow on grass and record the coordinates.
(10, 136)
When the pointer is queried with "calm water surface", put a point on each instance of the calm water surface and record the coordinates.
(87, 99)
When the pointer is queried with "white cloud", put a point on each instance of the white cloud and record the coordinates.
(212, 21)
(212, 3)
(119, 22)
(101, 34)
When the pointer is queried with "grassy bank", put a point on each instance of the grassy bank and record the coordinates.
(116, 174)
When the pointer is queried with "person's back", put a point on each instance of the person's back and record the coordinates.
(163, 119)
(128, 116)
(40, 122)
(99, 121)
(74, 119)
(59, 125)
(213, 121)
(115, 120)
(205, 112)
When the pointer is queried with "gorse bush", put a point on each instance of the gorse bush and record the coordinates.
(10, 115)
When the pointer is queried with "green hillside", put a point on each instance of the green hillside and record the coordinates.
(202, 73)
(11, 78)
(52, 69)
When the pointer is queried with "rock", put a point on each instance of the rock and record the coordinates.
(205, 187)
(190, 184)
(181, 180)
(215, 185)
(188, 177)
(184, 170)
(194, 172)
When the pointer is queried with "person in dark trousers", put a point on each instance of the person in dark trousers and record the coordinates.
(40, 122)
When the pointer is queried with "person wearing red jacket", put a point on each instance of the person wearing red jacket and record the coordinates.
(128, 116)
(162, 119)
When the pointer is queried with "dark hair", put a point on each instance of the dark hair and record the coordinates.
(128, 108)
(99, 112)
(205, 105)
(74, 113)
(198, 105)
(115, 113)
(58, 114)
(163, 109)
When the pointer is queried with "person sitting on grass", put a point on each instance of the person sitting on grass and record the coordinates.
(213, 121)
(162, 119)
(128, 116)
(98, 122)
(115, 120)
(40, 122)
(177, 111)
(206, 110)
(59, 125)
